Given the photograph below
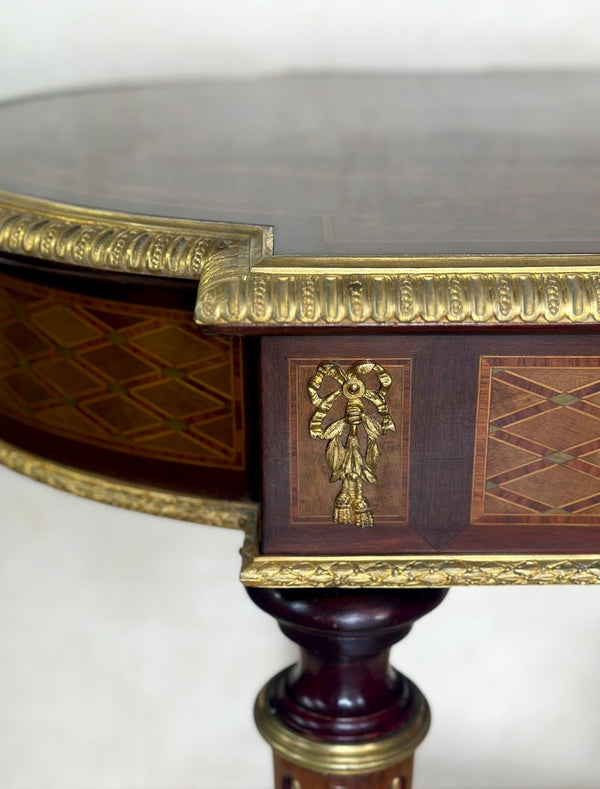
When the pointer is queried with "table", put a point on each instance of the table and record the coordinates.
(368, 303)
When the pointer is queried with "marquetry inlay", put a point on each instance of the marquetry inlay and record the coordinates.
(125, 377)
(537, 453)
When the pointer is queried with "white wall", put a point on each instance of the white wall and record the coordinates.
(130, 657)
(129, 654)
(69, 42)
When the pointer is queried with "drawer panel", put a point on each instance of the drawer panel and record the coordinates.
(108, 374)
(537, 444)
(445, 443)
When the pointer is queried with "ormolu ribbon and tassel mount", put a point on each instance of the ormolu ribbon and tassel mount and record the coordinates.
(352, 453)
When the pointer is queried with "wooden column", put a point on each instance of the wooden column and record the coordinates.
(342, 717)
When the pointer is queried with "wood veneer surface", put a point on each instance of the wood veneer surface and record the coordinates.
(501, 446)
(357, 165)
(108, 373)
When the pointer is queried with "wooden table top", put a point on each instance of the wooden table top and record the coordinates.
(355, 165)
(447, 225)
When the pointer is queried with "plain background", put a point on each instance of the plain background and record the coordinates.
(129, 653)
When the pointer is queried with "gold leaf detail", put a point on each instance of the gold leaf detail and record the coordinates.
(197, 509)
(124, 242)
(346, 460)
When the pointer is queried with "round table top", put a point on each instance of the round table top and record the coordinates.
(363, 165)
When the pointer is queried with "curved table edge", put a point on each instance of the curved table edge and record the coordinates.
(153, 501)
(123, 242)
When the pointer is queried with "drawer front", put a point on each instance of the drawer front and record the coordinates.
(537, 441)
(447, 443)
(111, 375)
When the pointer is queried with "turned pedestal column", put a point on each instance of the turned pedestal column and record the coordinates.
(342, 716)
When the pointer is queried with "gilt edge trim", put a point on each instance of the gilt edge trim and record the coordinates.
(442, 290)
(393, 572)
(152, 501)
(124, 243)
(243, 285)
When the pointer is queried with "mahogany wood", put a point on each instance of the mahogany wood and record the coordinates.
(446, 424)
(343, 690)
(372, 164)
(362, 166)
(108, 373)
(166, 292)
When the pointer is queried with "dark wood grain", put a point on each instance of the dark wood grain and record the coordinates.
(166, 292)
(361, 165)
(343, 689)
(109, 374)
(443, 419)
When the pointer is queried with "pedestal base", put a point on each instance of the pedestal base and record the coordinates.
(343, 718)
(291, 776)
(355, 757)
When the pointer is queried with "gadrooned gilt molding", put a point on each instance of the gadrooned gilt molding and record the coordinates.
(196, 509)
(242, 284)
(386, 291)
(388, 572)
(129, 243)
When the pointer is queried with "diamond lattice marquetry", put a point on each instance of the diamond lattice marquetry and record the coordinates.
(64, 326)
(129, 378)
(537, 455)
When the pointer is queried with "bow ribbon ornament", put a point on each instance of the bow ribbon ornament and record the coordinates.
(352, 453)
